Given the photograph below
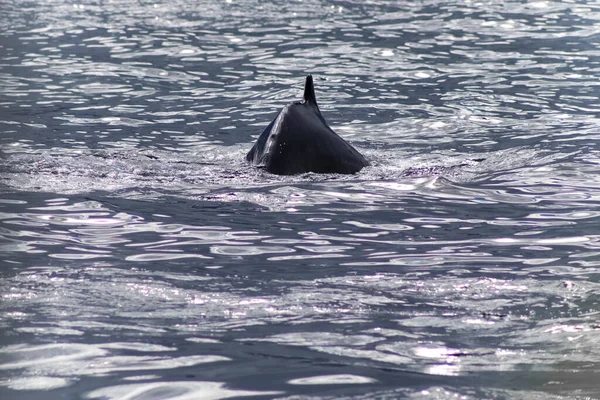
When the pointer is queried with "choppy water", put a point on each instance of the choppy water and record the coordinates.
(143, 259)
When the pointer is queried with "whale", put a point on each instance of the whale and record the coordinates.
(299, 140)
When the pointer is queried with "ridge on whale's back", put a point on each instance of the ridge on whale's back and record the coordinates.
(299, 140)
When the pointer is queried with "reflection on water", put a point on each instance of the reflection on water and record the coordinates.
(333, 288)
(143, 258)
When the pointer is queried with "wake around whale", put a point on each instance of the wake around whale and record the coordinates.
(299, 140)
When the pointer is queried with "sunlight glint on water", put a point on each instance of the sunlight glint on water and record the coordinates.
(143, 258)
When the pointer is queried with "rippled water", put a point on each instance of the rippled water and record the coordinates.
(142, 258)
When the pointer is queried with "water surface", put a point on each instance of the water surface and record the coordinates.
(142, 258)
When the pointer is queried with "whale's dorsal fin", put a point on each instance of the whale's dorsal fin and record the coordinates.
(309, 91)
(299, 140)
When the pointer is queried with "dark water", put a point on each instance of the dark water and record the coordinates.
(143, 259)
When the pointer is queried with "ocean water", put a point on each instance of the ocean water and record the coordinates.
(141, 257)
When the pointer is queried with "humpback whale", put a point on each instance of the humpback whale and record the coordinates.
(299, 140)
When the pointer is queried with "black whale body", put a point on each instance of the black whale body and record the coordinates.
(299, 140)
